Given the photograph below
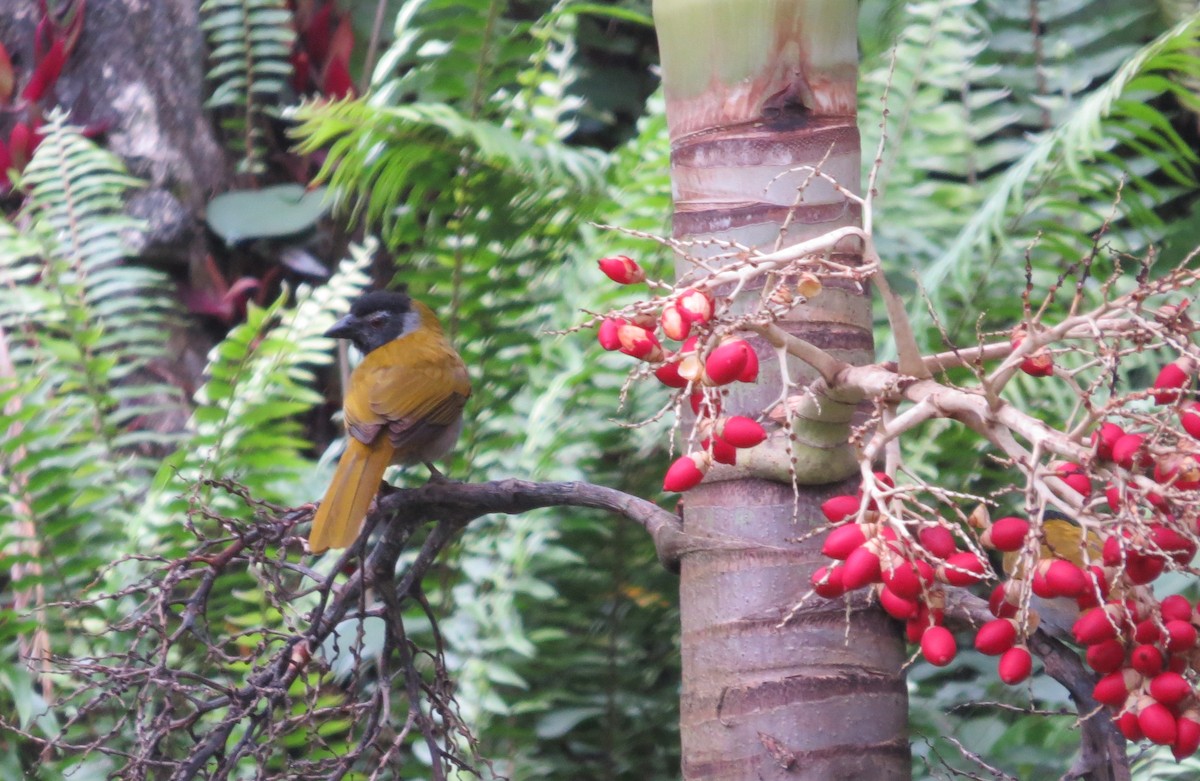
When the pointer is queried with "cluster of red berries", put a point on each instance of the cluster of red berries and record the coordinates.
(909, 573)
(1145, 649)
(698, 364)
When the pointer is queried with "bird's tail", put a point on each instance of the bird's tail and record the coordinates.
(355, 483)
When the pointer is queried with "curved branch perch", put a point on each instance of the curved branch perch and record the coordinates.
(461, 503)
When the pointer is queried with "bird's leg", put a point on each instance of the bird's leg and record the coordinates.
(435, 476)
(385, 489)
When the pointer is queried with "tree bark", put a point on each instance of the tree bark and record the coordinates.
(772, 690)
(137, 76)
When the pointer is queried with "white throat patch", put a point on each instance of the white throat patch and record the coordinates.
(412, 321)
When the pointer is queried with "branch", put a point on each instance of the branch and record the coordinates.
(462, 503)
(825, 364)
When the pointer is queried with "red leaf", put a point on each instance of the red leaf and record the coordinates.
(342, 42)
(20, 146)
(316, 34)
(336, 81)
(46, 73)
(5, 164)
(301, 71)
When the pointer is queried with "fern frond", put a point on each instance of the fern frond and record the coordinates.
(79, 328)
(1022, 144)
(250, 44)
(1080, 149)
(381, 157)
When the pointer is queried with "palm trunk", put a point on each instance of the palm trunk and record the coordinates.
(755, 90)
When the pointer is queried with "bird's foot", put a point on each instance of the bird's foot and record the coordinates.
(435, 476)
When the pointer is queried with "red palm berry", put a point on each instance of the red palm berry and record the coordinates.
(1015, 665)
(722, 451)
(1105, 437)
(1141, 570)
(1170, 688)
(862, 568)
(1061, 578)
(1126, 448)
(695, 306)
(938, 540)
(1097, 587)
(1147, 660)
(704, 405)
(999, 603)
(1174, 544)
(607, 333)
(1187, 735)
(750, 370)
(1073, 475)
(742, 432)
(1040, 364)
(639, 343)
(1093, 626)
(903, 579)
(896, 606)
(1175, 607)
(1113, 688)
(938, 646)
(839, 508)
(726, 363)
(827, 581)
(1158, 724)
(1007, 534)
(1147, 631)
(622, 269)
(674, 324)
(1112, 494)
(668, 374)
(1107, 656)
(1170, 379)
(843, 541)
(1127, 722)
(686, 472)
(962, 569)
(1181, 636)
(1189, 418)
(996, 636)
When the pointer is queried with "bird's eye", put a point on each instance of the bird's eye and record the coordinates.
(377, 319)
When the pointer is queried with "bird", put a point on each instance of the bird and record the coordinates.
(403, 405)
(1061, 540)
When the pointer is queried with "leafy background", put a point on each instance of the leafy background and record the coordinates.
(494, 140)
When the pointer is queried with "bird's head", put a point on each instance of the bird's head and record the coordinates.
(376, 319)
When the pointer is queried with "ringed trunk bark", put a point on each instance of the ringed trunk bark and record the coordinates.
(755, 91)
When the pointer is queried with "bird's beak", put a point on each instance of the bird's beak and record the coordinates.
(343, 329)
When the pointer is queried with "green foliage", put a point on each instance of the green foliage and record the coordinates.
(250, 44)
(279, 212)
(1003, 145)
(1022, 147)
(87, 425)
(80, 329)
